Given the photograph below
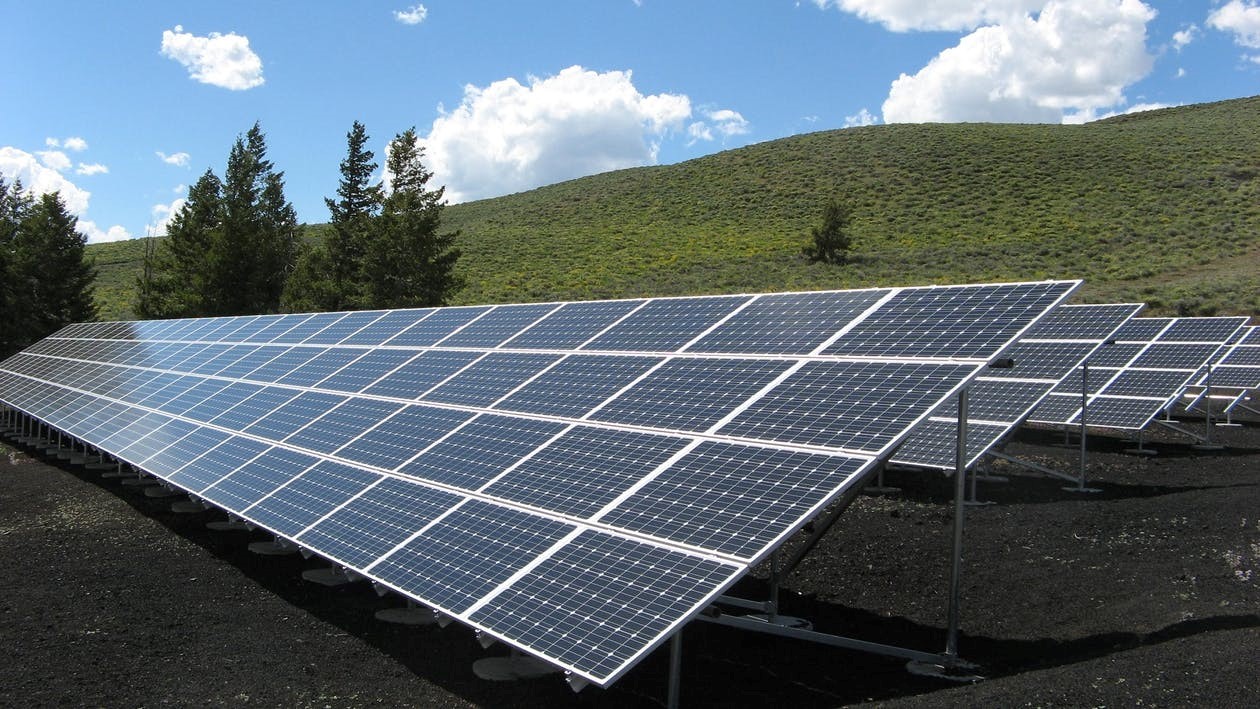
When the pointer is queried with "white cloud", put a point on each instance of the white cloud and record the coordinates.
(177, 159)
(54, 160)
(95, 235)
(1181, 38)
(861, 118)
(509, 137)
(1075, 56)
(724, 122)
(161, 215)
(412, 15)
(91, 169)
(74, 144)
(1242, 19)
(699, 130)
(38, 179)
(1087, 116)
(907, 15)
(223, 60)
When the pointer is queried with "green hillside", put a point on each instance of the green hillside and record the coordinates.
(1162, 207)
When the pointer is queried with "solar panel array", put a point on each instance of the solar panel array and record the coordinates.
(1000, 399)
(576, 479)
(1132, 381)
(1239, 365)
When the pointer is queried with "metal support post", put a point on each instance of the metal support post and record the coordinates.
(955, 576)
(675, 669)
(1084, 459)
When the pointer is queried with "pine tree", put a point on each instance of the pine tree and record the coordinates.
(831, 241)
(176, 278)
(231, 247)
(329, 275)
(52, 280)
(408, 263)
(14, 206)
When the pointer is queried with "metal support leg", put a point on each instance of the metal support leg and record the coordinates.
(1080, 479)
(675, 669)
(960, 482)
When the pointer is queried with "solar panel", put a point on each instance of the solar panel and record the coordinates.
(575, 479)
(1002, 399)
(1239, 365)
(1131, 382)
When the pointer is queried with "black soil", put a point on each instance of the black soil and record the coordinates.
(1146, 592)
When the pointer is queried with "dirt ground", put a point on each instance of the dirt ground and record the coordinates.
(1145, 593)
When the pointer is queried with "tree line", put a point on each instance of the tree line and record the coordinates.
(45, 280)
(235, 247)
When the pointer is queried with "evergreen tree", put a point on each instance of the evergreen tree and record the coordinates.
(14, 206)
(176, 278)
(51, 279)
(329, 276)
(408, 263)
(231, 247)
(831, 241)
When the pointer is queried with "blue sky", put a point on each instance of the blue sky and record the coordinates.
(121, 105)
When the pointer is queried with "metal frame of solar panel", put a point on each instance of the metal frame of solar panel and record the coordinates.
(577, 480)
(1131, 382)
(1002, 398)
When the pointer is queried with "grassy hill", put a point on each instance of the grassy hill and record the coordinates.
(1162, 207)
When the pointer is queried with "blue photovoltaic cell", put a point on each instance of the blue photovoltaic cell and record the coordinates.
(1168, 356)
(476, 453)
(306, 499)
(281, 364)
(855, 405)
(400, 437)
(439, 324)
(491, 329)
(217, 462)
(667, 324)
(155, 440)
(357, 376)
(112, 424)
(372, 524)
(320, 367)
(221, 401)
(1202, 329)
(245, 413)
(308, 327)
(990, 400)
(167, 460)
(572, 324)
(585, 469)
(490, 378)
(631, 593)
(258, 478)
(1142, 329)
(1122, 412)
(468, 553)
(342, 424)
(1247, 356)
(1116, 355)
(1153, 383)
(1043, 360)
(387, 326)
(1084, 322)
(226, 355)
(934, 444)
(204, 354)
(732, 498)
(1057, 409)
(249, 362)
(132, 432)
(343, 328)
(794, 323)
(158, 399)
(577, 384)
(301, 410)
(277, 328)
(947, 322)
(1245, 377)
(691, 394)
(421, 374)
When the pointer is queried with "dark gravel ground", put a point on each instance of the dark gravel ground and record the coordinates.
(1146, 593)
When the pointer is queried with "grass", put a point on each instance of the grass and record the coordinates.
(1162, 207)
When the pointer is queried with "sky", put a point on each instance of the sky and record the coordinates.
(120, 106)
